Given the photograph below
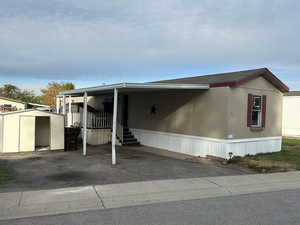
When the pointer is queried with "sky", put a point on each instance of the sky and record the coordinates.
(93, 42)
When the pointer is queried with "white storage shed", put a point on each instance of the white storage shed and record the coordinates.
(31, 130)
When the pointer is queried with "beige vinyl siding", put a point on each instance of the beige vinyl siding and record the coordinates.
(237, 109)
(197, 113)
(216, 113)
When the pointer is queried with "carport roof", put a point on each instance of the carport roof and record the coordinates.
(131, 87)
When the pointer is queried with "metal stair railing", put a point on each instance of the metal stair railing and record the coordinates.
(120, 131)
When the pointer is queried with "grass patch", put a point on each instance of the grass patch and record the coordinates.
(287, 159)
(5, 174)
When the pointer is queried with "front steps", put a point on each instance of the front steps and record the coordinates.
(128, 138)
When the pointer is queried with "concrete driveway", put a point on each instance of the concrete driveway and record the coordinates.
(58, 169)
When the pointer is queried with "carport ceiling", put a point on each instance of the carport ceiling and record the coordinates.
(133, 87)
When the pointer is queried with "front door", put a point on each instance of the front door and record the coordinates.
(125, 111)
(122, 116)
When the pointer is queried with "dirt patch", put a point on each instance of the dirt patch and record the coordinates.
(68, 176)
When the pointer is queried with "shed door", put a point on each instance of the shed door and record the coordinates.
(27, 133)
(57, 132)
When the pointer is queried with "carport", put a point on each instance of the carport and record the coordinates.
(115, 90)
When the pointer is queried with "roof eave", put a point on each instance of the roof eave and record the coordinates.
(265, 73)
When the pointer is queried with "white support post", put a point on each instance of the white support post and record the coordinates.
(114, 133)
(84, 122)
(64, 105)
(57, 104)
(70, 112)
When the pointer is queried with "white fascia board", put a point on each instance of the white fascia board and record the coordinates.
(166, 86)
(41, 105)
(91, 89)
(136, 85)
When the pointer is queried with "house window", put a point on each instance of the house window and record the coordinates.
(256, 111)
(256, 116)
(7, 105)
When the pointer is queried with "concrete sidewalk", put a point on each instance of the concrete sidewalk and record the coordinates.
(56, 201)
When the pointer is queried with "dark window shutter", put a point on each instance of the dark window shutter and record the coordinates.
(249, 112)
(264, 109)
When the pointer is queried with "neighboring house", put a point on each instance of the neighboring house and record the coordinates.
(95, 103)
(291, 114)
(99, 110)
(78, 107)
(9, 105)
(222, 115)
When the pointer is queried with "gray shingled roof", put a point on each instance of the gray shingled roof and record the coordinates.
(292, 93)
(231, 79)
(215, 78)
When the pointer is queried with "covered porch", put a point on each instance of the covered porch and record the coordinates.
(117, 119)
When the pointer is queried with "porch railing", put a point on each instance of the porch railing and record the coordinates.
(94, 120)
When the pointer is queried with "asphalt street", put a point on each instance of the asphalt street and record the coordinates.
(274, 208)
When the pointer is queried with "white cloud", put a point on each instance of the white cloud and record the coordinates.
(69, 38)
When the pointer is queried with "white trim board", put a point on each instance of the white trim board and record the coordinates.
(203, 146)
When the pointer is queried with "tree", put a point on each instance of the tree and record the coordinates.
(53, 90)
(9, 91)
(12, 91)
(28, 96)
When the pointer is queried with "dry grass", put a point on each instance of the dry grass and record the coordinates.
(286, 160)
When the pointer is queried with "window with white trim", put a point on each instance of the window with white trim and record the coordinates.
(257, 107)
(256, 117)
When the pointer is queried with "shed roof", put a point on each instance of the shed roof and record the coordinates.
(292, 93)
(231, 79)
(29, 110)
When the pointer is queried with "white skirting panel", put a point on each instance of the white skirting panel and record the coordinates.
(203, 146)
(98, 136)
